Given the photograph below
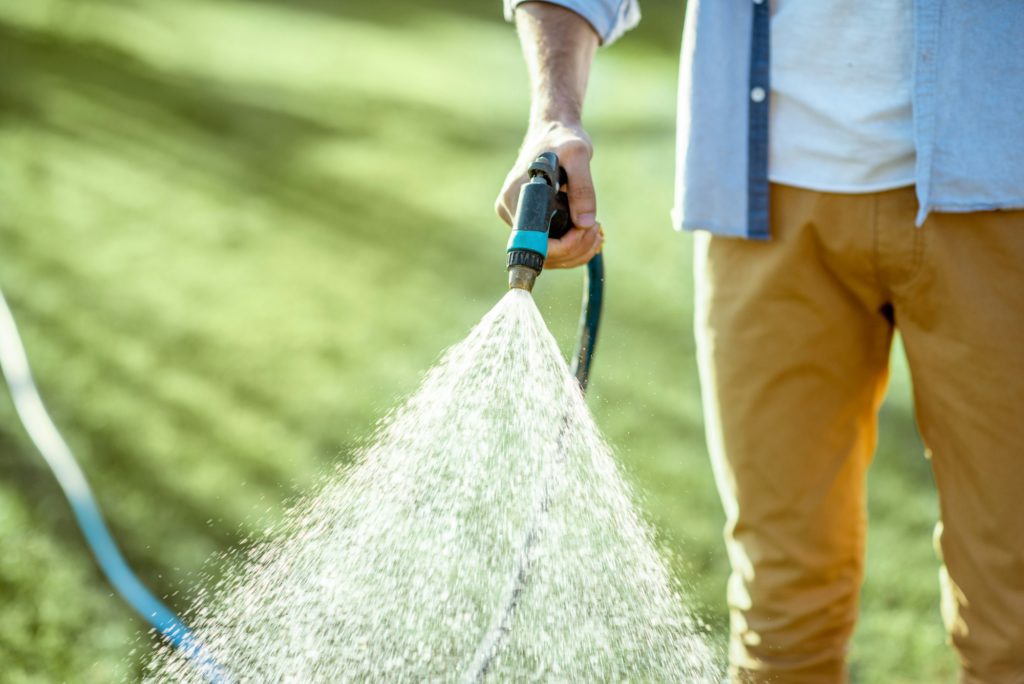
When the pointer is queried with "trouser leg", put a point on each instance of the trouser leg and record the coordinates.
(962, 319)
(793, 355)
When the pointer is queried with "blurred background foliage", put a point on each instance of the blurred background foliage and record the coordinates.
(235, 232)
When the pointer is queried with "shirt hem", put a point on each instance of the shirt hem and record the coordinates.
(844, 189)
(710, 227)
(967, 208)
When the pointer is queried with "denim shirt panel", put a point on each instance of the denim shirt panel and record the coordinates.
(973, 91)
(967, 108)
(712, 139)
(757, 122)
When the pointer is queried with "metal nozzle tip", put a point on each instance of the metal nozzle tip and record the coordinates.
(521, 277)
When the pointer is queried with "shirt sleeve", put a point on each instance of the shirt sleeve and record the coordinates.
(610, 18)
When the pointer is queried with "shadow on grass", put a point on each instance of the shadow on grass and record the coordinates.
(223, 138)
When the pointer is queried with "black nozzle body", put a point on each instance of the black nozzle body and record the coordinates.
(542, 212)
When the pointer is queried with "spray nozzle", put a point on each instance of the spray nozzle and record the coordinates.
(542, 212)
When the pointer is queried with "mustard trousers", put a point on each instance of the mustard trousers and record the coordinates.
(793, 339)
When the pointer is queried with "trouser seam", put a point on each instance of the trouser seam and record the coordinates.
(917, 258)
(876, 252)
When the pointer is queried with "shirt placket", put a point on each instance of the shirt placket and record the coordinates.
(757, 145)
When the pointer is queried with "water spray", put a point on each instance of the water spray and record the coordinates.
(542, 212)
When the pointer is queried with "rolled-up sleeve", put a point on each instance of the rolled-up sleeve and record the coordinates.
(610, 18)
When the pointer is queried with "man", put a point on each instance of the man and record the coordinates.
(851, 167)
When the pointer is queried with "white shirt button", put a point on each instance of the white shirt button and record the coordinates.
(757, 94)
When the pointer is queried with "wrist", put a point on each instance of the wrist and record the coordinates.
(547, 121)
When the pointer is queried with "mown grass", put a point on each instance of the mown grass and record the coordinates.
(234, 233)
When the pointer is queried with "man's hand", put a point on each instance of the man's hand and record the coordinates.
(558, 46)
(572, 145)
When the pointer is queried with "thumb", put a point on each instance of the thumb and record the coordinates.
(582, 201)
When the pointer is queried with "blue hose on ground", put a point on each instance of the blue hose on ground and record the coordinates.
(55, 451)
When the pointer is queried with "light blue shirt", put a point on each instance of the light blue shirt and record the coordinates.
(967, 100)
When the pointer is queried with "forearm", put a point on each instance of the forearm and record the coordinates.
(558, 46)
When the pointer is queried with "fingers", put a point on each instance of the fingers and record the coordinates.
(592, 245)
(582, 200)
(505, 204)
(575, 249)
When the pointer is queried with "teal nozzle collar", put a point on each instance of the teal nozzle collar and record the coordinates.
(532, 240)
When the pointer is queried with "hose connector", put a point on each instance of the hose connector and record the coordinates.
(542, 212)
(522, 277)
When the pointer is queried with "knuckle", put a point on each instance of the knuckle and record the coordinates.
(505, 200)
(575, 150)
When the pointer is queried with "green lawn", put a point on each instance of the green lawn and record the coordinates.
(234, 233)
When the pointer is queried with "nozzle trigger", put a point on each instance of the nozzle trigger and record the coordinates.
(561, 218)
